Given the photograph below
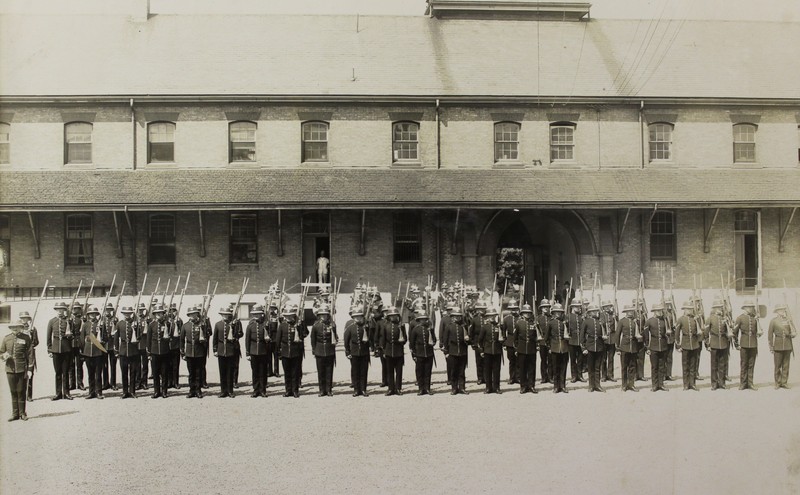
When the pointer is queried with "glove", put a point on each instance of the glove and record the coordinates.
(483, 355)
(216, 355)
(50, 354)
(585, 352)
(647, 352)
(772, 351)
(248, 358)
(349, 356)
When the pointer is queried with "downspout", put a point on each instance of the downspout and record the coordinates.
(133, 126)
(641, 131)
(438, 138)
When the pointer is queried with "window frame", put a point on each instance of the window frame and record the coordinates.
(161, 243)
(150, 125)
(303, 152)
(499, 144)
(416, 224)
(67, 144)
(5, 142)
(572, 127)
(673, 236)
(241, 239)
(68, 257)
(650, 129)
(395, 142)
(231, 141)
(737, 144)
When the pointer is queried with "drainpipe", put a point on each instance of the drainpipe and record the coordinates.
(133, 126)
(641, 131)
(438, 138)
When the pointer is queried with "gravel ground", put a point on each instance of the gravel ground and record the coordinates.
(678, 442)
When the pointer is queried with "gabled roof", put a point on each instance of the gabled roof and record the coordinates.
(395, 56)
(351, 188)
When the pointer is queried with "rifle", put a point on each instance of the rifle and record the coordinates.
(539, 335)
(403, 308)
(172, 296)
(180, 301)
(792, 328)
(207, 303)
(110, 290)
(566, 309)
(153, 295)
(522, 292)
(74, 298)
(641, 308)
(616, 304)
(136, 309)
(86, 301)
(239, 299)
(119, 296)
(36, 309)
(301, 306)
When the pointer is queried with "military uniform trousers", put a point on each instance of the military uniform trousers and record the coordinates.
(719, 366)
(258, 365)
(448, 361)
(325, 374)
(160, 365)
(492, 364)
(110, 370)
(782, 359)
(526, 371)
(395, 373)
(195, 365)
(658, 368)
(594, 360)
(61, 363)
(276, 360)
(18, 386)
(384, 371)
(76, 369)
(513, 376)
(459, 378)
(144, 363)
(545, 365)
(226, 364)
(174, 368)
(479, 367)
(747, 358)
(697, 364)
(127, 365)
(29, 393)
(235, 367)
(424, 369)
(559, 375)
(94, 365)
(359, 365)
(689, 365)
(575, 362)
(668, 360)
(291, 374)
(607, 366)
(640, 357)
(628, 364)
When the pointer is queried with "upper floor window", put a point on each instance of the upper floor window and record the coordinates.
(244, 238)
(315, 142)
(405, 141)
(662, 236)
(744, 143)
(79, 249)
(161, 142)
(78, 142)
(745, 221)
(5, 139)
(660, 142)
(562, 141)
(506, 141)
(243, 142)
(161, 239)
(407, 237)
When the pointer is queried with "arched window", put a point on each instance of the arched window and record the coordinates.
(161, 142)
(242, 138)
(744, 143)
(405, 141)
(161, 239)
(562, 141)
(78, 142)
(662, 236)
(5, 143)
(79, 240)
(506, 141)
(660, 141)
(315, 142)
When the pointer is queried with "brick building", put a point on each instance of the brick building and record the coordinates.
(241, 145)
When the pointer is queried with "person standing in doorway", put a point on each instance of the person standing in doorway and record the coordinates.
(322, 268)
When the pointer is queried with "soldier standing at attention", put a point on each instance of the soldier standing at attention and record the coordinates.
(256, 341)
(687, 341)
(143, 323)
(509, 323)
(455, 344)
(593, 345)
(574, 321)
(609, 320)
(749, 327)
(780, 334)
(76, 365)
(628, 342)
(174, 347)
(194, 339)
(158, 350)
(31, 332)
(323, 346)
(109, 322)
(94, 338)
(475, 327)
(655, 341)
(391, 344)
(526, 338)
(289, 338)
(490, 343)
(16, 349)
(443, 322)
(557, 341)
(225, 337)
(357, 350)
(718, 338)
(421, 342)
(545, 363)
(125, 343)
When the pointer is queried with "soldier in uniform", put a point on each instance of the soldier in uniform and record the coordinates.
(475, 326)
(94, 338)
(143, 324)
(593, 345)
(16, 349)
(176, 324)
(490, 342)
(455, 341)
(545, 363)
(391, 344)
(273, 319)
(746, 331)
(109, 322)
(289, 338)
(641, 316)
(655, 341)
(357, 344)
(374, 328)
(60, 333)
(323, 345)
(236, 324)
(194, 338)
(421, 342)
(31, 332)
(557, 340)
(574, 322)
(671, 336)
(779, 335)
(76, 364)
(226, 334)
(158, 350)
(718, 338)
(126, 345)
(443, 322)
(609, 320)
(687, 341)
(256, 340)
(526, 335)
(509, 324)
(628, 341)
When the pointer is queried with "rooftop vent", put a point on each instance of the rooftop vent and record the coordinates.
(517, 10)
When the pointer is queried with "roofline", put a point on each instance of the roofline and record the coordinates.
(378, 99)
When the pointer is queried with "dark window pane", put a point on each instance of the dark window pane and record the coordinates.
(244, 238)
(662, 236)
(79, 247)
(161, 241)
(161, 142)
(407, 238)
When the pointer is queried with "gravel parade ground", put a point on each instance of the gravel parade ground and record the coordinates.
(725, 441)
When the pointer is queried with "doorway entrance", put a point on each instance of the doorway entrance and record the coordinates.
(519, 261)
(745, 245)
(316, 246)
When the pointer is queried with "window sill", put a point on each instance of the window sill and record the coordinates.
(564, 164)
(407, 164)
(87, 166)
(511, 164)
(243, 165)
(242, 266)
(78, 268)
(158, 165)
(162, 265)
(316, 164)
(747, 165)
